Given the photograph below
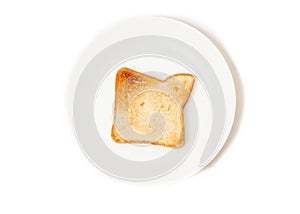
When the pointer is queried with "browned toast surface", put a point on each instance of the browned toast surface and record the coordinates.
(149, 110)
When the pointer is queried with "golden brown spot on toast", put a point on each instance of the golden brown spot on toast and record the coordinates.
(122, 75)
(115, 136)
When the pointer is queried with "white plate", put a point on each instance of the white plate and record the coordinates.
(160, 47)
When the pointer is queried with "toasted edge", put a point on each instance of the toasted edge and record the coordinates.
(186, 79)
(116, 137)
(122, 75)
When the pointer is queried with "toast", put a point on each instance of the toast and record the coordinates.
(149, 110)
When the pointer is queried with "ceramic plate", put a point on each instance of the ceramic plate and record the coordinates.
(159, 47)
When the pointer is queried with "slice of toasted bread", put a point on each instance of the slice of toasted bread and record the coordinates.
(148, 110)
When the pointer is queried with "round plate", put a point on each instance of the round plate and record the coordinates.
(159, 47)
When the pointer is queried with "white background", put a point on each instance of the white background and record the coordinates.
(42, 169)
